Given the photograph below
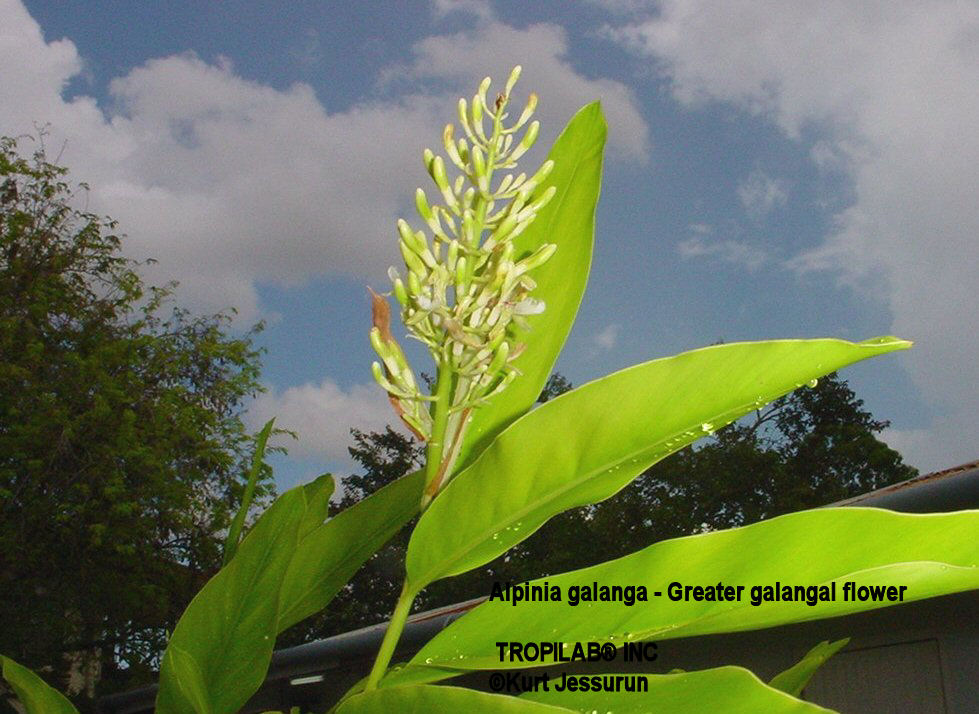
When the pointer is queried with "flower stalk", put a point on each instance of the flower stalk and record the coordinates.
(464, 290)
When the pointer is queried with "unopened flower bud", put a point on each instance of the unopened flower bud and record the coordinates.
(538, 258)
(452, 255)
(438, 174)
(527, 112)
(414, 284)
(462, 276)
(526, 142)
(414, 263)
(477, 116)
(499, 359)
(400, 293)
(512, 79)
(450, 147)
(505, 228)
(464, 118)
(421, 205)
(544, 199)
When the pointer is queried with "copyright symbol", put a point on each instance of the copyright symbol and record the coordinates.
(497, 682)
(608, 651)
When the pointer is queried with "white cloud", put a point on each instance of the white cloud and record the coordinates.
(229, 182)
(699, 245)
(493, 48)
(607, 338)
(480, 8)
(322, 415)
(760, 194)
(892, 90)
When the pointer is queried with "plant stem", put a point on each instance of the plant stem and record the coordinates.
(440, 419)
(391, 637)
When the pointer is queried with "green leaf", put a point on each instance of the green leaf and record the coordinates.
(220, 649)
(189, 679)
(33, 692)
(234, 532)
(568, 221)
(329, 556)
(588, 443)
(795, 678)
(427, 699)
(931, 554)
(732, 690)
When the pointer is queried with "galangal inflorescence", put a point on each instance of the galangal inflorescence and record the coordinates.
(465, 289)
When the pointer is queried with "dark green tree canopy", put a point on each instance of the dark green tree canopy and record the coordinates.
(812, 447)
(121, 440)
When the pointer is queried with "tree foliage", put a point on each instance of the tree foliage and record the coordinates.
(812, 447)
(121, 440)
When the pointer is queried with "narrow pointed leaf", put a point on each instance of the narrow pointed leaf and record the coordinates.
(220, 649)
(795, 678)
(586, 444)
(329, 556)
(234, 531)
(732, 690)
(568, 221)
(929, 554)
(427, 699)
(33, 692)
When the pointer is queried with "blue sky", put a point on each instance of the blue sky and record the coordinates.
(773, 170)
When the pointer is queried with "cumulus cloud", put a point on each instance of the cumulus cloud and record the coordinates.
(542, 50)
(322, 416)
(892, 92)
(230, 183)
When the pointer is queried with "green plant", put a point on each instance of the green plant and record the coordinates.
(493, 293)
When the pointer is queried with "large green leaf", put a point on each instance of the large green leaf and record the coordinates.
(329, 556)
(930, 554)
(732, 690)
(795, 678)
(427, 699)
(220, 649)
(33, 692)
(568, 221)
(588, 443)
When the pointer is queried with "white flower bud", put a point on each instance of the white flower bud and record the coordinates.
(477, 117)
(529, 306)
(464, 119)
(450, 147)
(400, 293)
(499, 359)
(527, 141)
(512, 79)
(527, 112)
(421, 205)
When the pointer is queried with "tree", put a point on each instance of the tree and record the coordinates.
(121, 440)
(809, 448)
